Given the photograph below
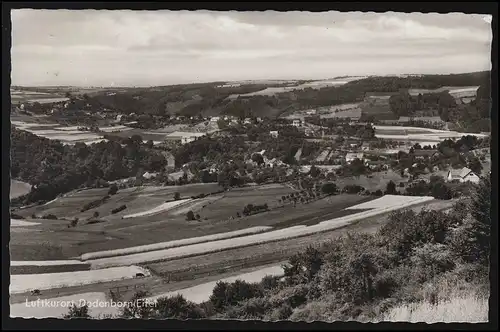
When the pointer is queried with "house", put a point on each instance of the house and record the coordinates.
(423, 154)
(187, 139)
(149, 175)
(259, 119)
(214, 119)
(349, 158)
(297, 123)
(247, 121)
(273, 133)
(311, 112)
(309, 132)
(365, 146)
(183, 137)
(463, 175)
(234, 121)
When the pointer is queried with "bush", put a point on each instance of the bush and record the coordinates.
(177, 307)
(177, 196)
(391, 188)
(78, 312)
(118, 209)
(49, 216)
(113, 189)
(281, 313)
(329, 188)
(430, 260)
(353, 189)
(190, 216)
(269, 282)
(96, 214)
(229, 294)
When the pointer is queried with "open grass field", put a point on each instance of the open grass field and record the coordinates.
(18, 188)
(52, 239)
(250, 240)
(32, 309)
(373, 182)
(21, 283)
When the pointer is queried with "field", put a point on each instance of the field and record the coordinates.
(18, 188)
(21, 283)
(423, 136)
(276, 235)
(23, 96)
(59, 306)
(201, 293)
(52, 239)
(270, 91)
(454, 91)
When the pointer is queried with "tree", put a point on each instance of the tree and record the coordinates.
(78, 312)
(96, 214)
(177, 196)
(113, 189)
(257, 157)
(475, 165)
(391, 188)
(190, 216)
(314, 172)
(329, 188)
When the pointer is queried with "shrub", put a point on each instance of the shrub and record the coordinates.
(177, 196)
(49, 216)
(329, 188)
(96, 214)
(281, 313)
(78, 312)
(177, 307)
(74, 222)
(391, 188)
(190, 216)
(353, 189)
(113, 189)
(118, 209)
(226, 294)
(269, 282)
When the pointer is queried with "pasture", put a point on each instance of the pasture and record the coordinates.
(21, 283)
(18, 188)
(51, 239)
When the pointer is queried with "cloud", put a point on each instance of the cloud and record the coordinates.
(163, 47)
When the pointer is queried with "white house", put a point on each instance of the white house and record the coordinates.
(311, 112)
(247, 121)
(187, 139)
(464, 175)
(349, 158)
(273, 133)
(214, 118)
(297, 123)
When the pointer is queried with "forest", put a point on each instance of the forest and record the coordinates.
(53, 168)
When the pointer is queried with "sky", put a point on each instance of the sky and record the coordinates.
(148, 48)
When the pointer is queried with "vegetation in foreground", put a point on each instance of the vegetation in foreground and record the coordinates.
(417, 264)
